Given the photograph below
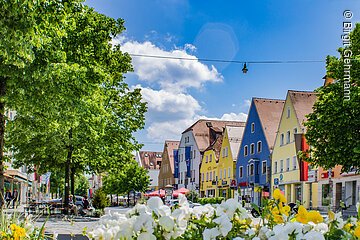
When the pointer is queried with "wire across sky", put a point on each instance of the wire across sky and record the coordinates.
(227, 61)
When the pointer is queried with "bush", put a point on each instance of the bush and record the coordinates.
(193, 196)
(215, 200)
(100, 200)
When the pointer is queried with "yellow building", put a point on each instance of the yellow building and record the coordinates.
(288, 172)
(208, 169)
(231, 142)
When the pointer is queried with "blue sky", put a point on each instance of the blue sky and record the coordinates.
(179, 92)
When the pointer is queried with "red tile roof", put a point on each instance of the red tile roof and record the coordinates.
(201, 127)
(170, 146)
(303, 103)
(150, 160)
(269, 111)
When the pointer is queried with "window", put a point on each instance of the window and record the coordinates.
(294, 162)
(281, 165)
(202, 177)
(248, 170)
(295, 130)
(223, 152)
(224, 173)
(252, 127)
(214, 175)
(210, 176)
(251, 169)
(194, 155)
(210, 157)
(220, 174)
(275, 167)
(206, 159)
(288, 164)
(259, 146)
(181, 177)
(252, 148)
(245, 150)
(288, 137)
(229, 172)
(240, 172)
(181, 157)
(281, 139)
(288, 112)
(263, 167)
(207, 176)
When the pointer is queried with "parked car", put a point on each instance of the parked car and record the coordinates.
(78, 201)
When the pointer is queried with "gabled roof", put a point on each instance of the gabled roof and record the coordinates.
(170, 146)
(216, 147)
(200, 130)
(235, 134)
(150, 160)
(269, 112)
(303, 103)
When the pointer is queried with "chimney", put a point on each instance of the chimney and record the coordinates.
(328, 80)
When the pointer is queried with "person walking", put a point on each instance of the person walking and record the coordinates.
(8, 198)
(15, 197)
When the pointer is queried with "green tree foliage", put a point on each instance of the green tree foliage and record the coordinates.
(333, 129)
(100, 200)
(131, 177)
(78, 113)
(81, 184)
(25, 26)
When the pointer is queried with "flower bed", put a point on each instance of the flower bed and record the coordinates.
(228, 220)
(14, 227)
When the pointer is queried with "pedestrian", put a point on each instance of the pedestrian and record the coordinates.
(72, 206)
(8, 198)
(15, 196)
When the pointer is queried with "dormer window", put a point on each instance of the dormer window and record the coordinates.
(252, 127)
(146, 155)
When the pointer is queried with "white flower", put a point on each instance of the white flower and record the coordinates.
(147, 236)
(313, 235)
(238, 238)
(321, 227)
(154, 203)
(167, 223)
(210, 234)
(144, 222)
(163, 211)
(225, 224)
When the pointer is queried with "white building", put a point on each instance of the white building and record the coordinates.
(151, 161)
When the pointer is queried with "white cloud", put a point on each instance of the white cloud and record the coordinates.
(174, 75)
(178, 105)
(234, 117)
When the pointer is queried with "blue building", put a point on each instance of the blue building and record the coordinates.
(253, 161)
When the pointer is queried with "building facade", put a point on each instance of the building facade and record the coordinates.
(227, 161)
(289, 173)
(253, 162)
(166, 173)
(209, 169)
(194, 141)
(150, 161)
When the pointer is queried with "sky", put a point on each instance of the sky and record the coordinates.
(179, 92)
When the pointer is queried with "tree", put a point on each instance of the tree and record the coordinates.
(85, 114)
(81, 185)
(24, 26)
(333, 129)
(131, 177)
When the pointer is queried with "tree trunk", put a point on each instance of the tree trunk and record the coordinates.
(67, 173)
(134, 198)
(128, 200)
(72, 178)
(2, 134)
(117, 199)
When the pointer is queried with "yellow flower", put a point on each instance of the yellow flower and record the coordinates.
(278, 219)
(279, 196)
(315, 217)
(347, 227)
(285, 210)
(302, 215)
(357, 231)
(331, 215)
